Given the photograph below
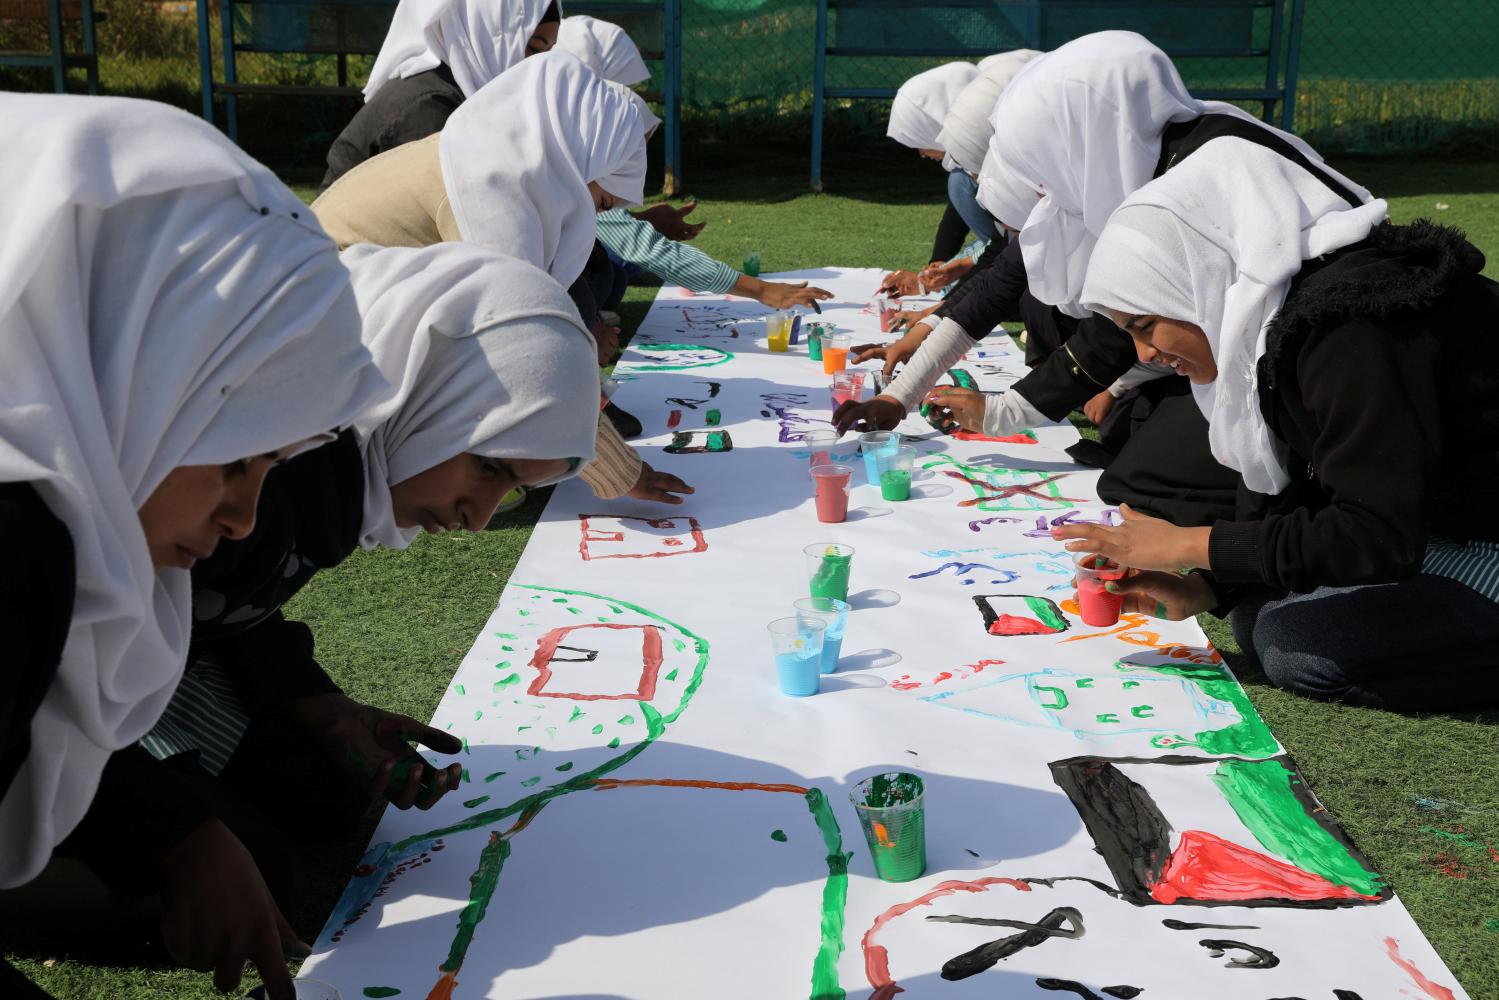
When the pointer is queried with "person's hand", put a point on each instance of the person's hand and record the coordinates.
(895, 353)
(217, 913)
(786, 294)
(898, 283)
(1097, 408)
(1141, 542)
(878, 414)
(907, 319)
(375, 746)
(939, 274)
(671, 222)
(1172, 596)
(658, 486)
(966, 406)
(607, 339)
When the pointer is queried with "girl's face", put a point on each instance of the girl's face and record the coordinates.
(602, 200)
(463, 492)
(1174, 342)
(544, 38)
(196, 505)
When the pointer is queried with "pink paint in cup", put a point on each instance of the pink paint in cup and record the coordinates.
(1094, 574)
(820, 443)
(831, 485)
(847, 385)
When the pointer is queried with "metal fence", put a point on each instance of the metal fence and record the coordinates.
(1377, 76)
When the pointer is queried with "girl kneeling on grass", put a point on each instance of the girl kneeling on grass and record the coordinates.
(492, 371)
(172, 323)
(1347, 368)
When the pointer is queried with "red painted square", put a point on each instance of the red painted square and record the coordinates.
(585, 677)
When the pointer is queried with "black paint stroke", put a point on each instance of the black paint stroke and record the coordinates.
(1123, 992)
(1260, 958)
(1128, 832)
(1182, 925)
(714, 388)
(588, 655)
(1058, 985)
(1051, 883)
(1346, 995)
(696, 443)
(984, 957)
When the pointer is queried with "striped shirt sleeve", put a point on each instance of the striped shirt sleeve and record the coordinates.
(638, 243)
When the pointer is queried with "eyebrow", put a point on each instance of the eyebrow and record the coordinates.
(506, 468)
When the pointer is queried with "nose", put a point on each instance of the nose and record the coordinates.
(236, 513)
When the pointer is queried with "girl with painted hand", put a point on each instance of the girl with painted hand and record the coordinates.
(1345, 366)
(172, 324)
(493, 371)
(524, 166)
(436, 54)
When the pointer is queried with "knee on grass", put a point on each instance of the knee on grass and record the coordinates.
(1293, 647)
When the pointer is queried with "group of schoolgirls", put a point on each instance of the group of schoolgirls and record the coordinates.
(209, 392)
(1297, 396)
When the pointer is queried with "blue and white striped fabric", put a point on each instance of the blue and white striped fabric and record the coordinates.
(1475, 564)
(205, 714)
(637, 242)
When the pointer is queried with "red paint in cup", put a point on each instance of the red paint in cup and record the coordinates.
(1099, 607)
(831, 484)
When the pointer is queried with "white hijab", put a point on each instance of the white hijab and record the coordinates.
(164, 301)
(966, 129)
(476, 39)
(487, 356)
(518, 155)
(1216, 242)
(604, 48)
(924, 100)
(1083, 128)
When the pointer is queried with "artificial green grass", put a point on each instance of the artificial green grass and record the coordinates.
(1419, 796)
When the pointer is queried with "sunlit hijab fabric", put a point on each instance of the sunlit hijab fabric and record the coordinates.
(164, 301)
(966, 129)
(604, 48)
(1083, 128)
(923, 101)
(488, 357)
(518, 155)
(476, 39)
(1216, 242)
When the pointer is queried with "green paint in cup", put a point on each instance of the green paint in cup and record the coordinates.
(892, 812)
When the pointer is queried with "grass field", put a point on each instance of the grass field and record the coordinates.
(1420, 796)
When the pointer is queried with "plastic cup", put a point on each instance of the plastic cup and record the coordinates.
(821, 443)
(889, 309)
(833, 614)
(847, 386)
(835, 349)
(797, 642)
(778, 332)
(831, 485)
(814, 341)
(1094, 573)
(752, 263)
(892, 812)
(872, 444)
(894, 466)
(828, 567)
(796, 326)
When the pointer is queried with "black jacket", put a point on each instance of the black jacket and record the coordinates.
(402, 111)
(1382, 378)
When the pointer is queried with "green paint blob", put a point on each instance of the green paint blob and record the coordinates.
(472, 803)
(1263, 796)
(506, 635)
(574, 611)
(627, 720)
(506, 681)
(463, 776)
(825, 984)
(831, 578)
(671, 674)
(565, 767)
(712, 418)
(779, 836)
(508, 649)
(614, 743)
(478, 715)
(491, 777)
(531, 781)
(559, 600)
(1249, 737)
(577, 714)
(459, 688)
(598, 729)
(502, 665)
(381, 991)
(524, 614)
(482, 885)
(679, 645)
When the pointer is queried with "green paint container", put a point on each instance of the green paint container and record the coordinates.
(892, 812)
(814, 341)
(752, 263)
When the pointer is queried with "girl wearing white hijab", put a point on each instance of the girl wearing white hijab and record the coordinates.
(604, 48)
(436, 54)
(494, 379)
(170, 324)
(1345, 366)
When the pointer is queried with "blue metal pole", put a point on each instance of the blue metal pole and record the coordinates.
(90, 49)
(226, 43)
(819, 73)
(1293, 60)
(205, 61)
(1272, 63)
(54, 30)
(672, 182)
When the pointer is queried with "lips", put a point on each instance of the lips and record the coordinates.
(431, 524)
(186, 558)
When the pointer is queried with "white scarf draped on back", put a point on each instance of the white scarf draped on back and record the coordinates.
(518, 155)
(487, 356)
(476, 39)
(604, 48)
(1082, 127)
(966, 129)
(1216, 242)
(924, 100)
(164, 301)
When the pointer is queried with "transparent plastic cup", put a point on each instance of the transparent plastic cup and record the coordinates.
(815, 333)
(828, 567)
(833, 614)
(830, 484)
(894, 466)
(752, 263)
(835, 348)
(820, 443)
(847, 385)
(797, 643)
(892, 812)
(873, 444)
(1094, 574)
(778, 332)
